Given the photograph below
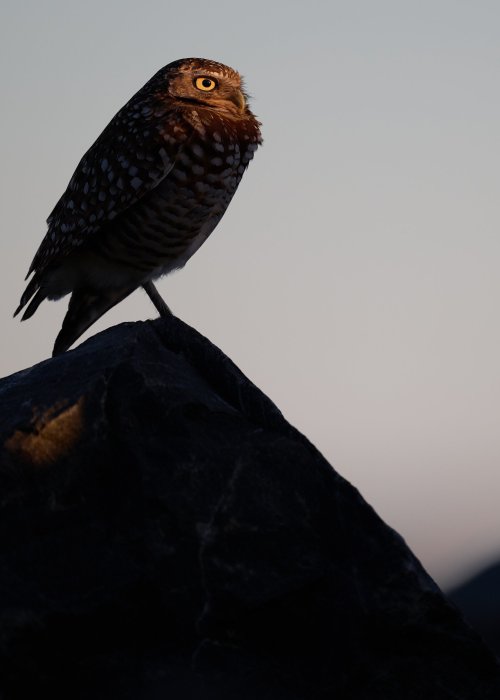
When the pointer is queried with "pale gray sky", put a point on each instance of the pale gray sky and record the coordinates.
(355, 275)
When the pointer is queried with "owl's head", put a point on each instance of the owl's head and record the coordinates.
(206, 83)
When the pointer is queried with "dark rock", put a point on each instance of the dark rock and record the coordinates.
(166, 534)
(479, 600)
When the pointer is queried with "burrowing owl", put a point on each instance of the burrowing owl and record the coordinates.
(147, 194)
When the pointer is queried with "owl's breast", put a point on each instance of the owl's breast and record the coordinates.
(164, 229)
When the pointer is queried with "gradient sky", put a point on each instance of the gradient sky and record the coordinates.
(355, 276)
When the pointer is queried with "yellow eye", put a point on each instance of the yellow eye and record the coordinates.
(205, 84)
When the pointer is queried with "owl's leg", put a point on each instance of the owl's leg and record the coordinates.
(155, 297)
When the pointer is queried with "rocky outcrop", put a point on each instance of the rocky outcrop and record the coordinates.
(165, 533)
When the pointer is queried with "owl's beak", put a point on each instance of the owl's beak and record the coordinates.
(238, 98)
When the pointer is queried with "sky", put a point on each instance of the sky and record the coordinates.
(354, 277)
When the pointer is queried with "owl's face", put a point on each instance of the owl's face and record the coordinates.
(207, 83)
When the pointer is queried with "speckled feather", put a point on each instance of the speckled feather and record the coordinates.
(150, 190)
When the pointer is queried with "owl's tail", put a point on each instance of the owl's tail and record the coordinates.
(36, 290)
(85, 307)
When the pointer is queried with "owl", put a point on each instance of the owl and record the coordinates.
(146, 195)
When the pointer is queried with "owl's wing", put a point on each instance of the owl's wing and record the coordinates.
(133, 154)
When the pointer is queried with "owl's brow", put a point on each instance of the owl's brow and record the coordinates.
(211, 69)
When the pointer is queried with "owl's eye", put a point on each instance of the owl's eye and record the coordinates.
(205, 84)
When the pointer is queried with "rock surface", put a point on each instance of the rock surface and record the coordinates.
(165, 533)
